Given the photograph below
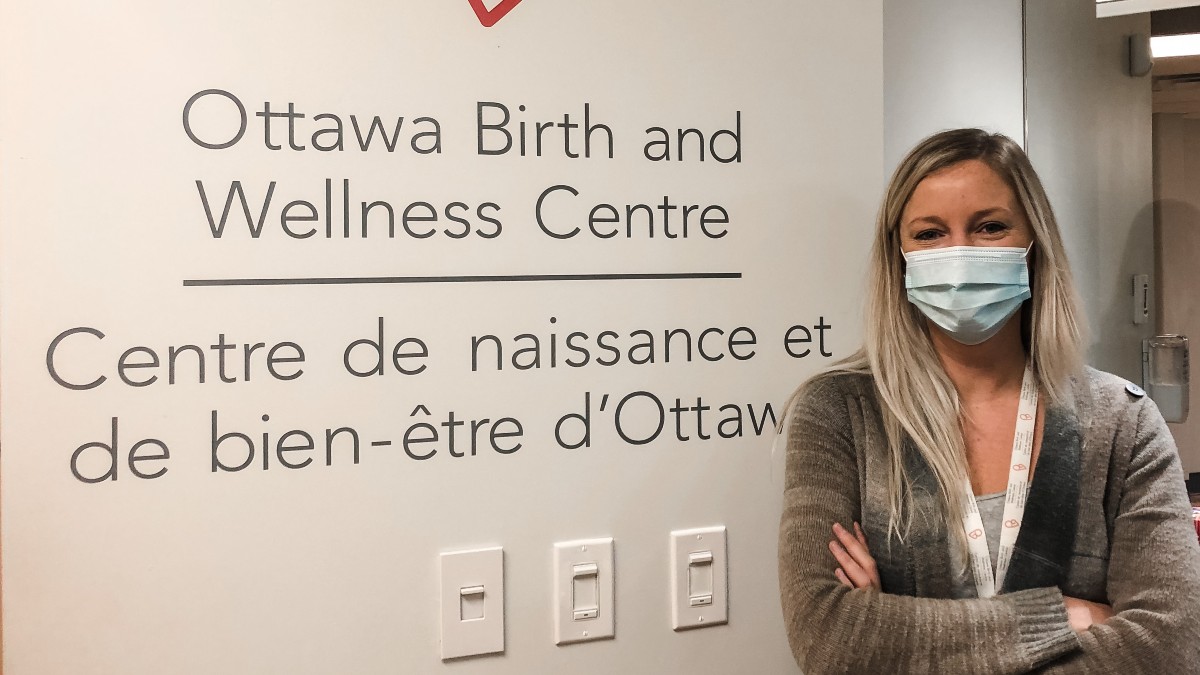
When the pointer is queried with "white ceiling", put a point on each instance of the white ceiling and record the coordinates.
(1119, 7)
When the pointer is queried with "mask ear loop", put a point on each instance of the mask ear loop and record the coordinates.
(1026, 311)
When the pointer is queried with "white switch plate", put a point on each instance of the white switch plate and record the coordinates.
(699, 578)
(464, 574)
(584, 602)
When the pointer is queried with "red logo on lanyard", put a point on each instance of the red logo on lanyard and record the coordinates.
(1026, 416)
(1012, 523)
(975, 534)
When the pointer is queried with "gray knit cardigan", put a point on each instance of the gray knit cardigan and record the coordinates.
(1107, 520)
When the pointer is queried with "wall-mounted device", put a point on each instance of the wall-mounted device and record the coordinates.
(472, 602)
(1139, 57)
(1141, 298)
(1165, 374)
(699, 578)
(584, 599)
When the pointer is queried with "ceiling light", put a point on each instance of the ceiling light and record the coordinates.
(1165, 46)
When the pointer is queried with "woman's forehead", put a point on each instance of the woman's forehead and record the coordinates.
(969, 186)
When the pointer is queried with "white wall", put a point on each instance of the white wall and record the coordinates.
(334, 569)
(1090, 140)
(948, 64)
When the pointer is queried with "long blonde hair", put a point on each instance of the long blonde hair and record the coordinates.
(917, 397)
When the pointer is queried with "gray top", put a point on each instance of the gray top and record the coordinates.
(1107, 519)
(991, 510)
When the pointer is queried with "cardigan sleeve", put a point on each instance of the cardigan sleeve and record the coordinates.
(1153, 568)
(832, 628)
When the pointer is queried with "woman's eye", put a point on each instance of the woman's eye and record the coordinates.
(993, 227)
(926, 235)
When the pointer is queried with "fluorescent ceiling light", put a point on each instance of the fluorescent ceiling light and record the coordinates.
(1165, 46)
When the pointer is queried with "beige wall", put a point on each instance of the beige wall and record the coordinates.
(1177, 191)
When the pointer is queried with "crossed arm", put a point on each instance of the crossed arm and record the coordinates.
(857, 569)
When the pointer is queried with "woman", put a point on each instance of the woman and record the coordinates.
(963, 495)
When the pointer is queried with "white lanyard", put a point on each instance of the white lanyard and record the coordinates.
(1014, 501)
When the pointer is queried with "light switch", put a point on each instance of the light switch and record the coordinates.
(583, 595)
(585, 591)
(472, 602)
(699, 578)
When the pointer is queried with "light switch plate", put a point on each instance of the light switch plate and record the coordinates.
(699, 578)
(584, 602)
(472, 602)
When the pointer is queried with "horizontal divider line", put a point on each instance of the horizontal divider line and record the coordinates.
(323, 281)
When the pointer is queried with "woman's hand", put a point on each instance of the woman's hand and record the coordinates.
(857, 567)
(1081, 614)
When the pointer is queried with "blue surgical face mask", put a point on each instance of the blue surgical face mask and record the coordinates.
(969, 291)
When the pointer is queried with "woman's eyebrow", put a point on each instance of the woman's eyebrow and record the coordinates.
(976, 216)
(983, 213)
(933, 220)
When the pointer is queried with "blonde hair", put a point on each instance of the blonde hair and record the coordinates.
(916, 396)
